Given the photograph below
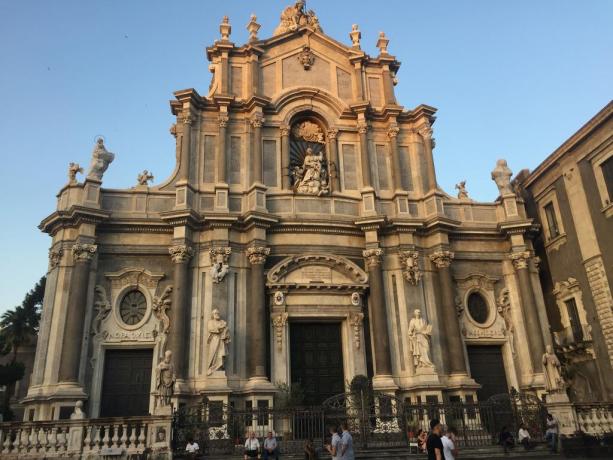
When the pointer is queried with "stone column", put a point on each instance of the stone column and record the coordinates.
(364, 157)
(284, 130)
(257, 323)
(333, 159)
(451, 338)
(426, 134)
(186, 119)
(392, 133)
(221, 154)
(178, 335)
(378, 317)
(256, 171)
(82, 255)
(534, 335)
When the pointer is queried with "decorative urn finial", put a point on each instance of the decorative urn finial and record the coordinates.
(382, 43)
(355, 36)
(253, 28)
(225, 29)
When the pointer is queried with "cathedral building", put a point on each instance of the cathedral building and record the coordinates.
(302, 238)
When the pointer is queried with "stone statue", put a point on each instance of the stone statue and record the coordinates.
(309, 177)
(504, 309)
(419, 335)
(78, 413)
(144, 178)
(462, 192)
(219, 270)
(101, 159)
(165, 379)
(219, 337)
(73, 169)
(552, 371)
(502, 176)
(297, 16)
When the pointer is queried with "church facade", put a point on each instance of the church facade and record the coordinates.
(301, 239)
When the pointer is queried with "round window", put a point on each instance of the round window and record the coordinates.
(477, 307)
(133, 307)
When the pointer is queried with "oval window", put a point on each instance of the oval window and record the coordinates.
(477, 307)
(133, 307)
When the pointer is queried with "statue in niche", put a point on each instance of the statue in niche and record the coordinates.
(502, 176)
(309, 169)
(101, 159)
(552, 371)
(419, 335)
(165, 379)
(219, 337)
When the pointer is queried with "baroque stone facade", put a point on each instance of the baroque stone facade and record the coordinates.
(303, 194)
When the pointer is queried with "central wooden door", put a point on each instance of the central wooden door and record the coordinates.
(317, 360)
(126, 384)
(487, 368)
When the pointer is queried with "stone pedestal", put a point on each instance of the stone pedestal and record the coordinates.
(160, 438)
(561, 408)
(221, 197)
(425, 376)
(217, 382)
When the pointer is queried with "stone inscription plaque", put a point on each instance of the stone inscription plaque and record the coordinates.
(317, 275)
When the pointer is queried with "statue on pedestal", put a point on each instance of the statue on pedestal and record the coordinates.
(502, 176)
(219, 337)
(101, 159)
(552, 371)
(78, 413)
(165, 379)
(419, 335)
(308, 176)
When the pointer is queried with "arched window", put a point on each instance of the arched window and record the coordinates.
(478, 308)
(133, 307)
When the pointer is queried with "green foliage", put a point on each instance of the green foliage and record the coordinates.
(11, 373)
(289, 396)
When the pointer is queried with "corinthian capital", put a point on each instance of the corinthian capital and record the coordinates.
(425, 131)
(332, 133)
(362, 127)
(180, 253)
(373, 256)
(55, 258)
(520, 259)
(223, 120)
(257, 254)
(257, 121)
(284, 130)
(186, 118)
(83, 252)
(442, 259)
(393, 131)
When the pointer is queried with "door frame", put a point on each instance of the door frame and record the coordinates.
(507, 359)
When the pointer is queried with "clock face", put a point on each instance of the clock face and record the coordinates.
(133, 307)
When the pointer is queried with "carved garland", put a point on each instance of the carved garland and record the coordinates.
(103, 308)
(279, 321)
(410, 264)
(355, 320)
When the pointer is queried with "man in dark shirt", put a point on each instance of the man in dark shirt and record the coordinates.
(434, 445)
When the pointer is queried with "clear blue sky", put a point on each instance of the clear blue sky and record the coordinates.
(511, 79)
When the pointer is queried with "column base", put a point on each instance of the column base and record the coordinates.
(259, 384)
(384, 383)
(70, 391)
(460, 381)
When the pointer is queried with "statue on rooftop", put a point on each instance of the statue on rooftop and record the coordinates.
(101, 159)
(502, 176)
(297, 16)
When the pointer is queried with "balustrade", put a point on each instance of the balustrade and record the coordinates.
(595, 419)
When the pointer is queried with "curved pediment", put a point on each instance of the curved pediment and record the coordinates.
(317, 270)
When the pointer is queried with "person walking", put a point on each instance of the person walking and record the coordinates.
(346, 444)
(334, 448)
(271, 447)
(450, 451)
(252, 447)
(434, 445)
(551, 435)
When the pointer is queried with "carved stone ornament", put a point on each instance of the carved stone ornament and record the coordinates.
(393, 131)
(134, 277)
(308, 131)
(502, 176)
(144, 178)
(504, 310)
(459, 305)
(160, 306)
(362, 127)
(410, 266)
(55, 257)
(186, 118)
(520, 259)
(382, 43)
(257, 121)
(284, 130)
(373, 256)
(257, 254)
(223, 120)
(356, 299)
(173, 130)
(101, 159)
(252, 28)
(355, 320)
(219, 260)
(180, 253)
(225, 29)
(332, 133)
(102, 307)
(442, 259)
(278, 274)
(355, 35)
(73, 169)
(279, 321)
(83, 252)
(306, 58)
(279, 298)
(296, 16)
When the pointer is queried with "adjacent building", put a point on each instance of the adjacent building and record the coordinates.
(571, 195)
(298, 236)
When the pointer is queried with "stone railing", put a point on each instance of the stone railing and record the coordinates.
(595, 418)
(88, 438)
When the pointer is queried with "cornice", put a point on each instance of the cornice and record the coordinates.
(73, 217)
(183, 217)
(516, 227)
(319, 227)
